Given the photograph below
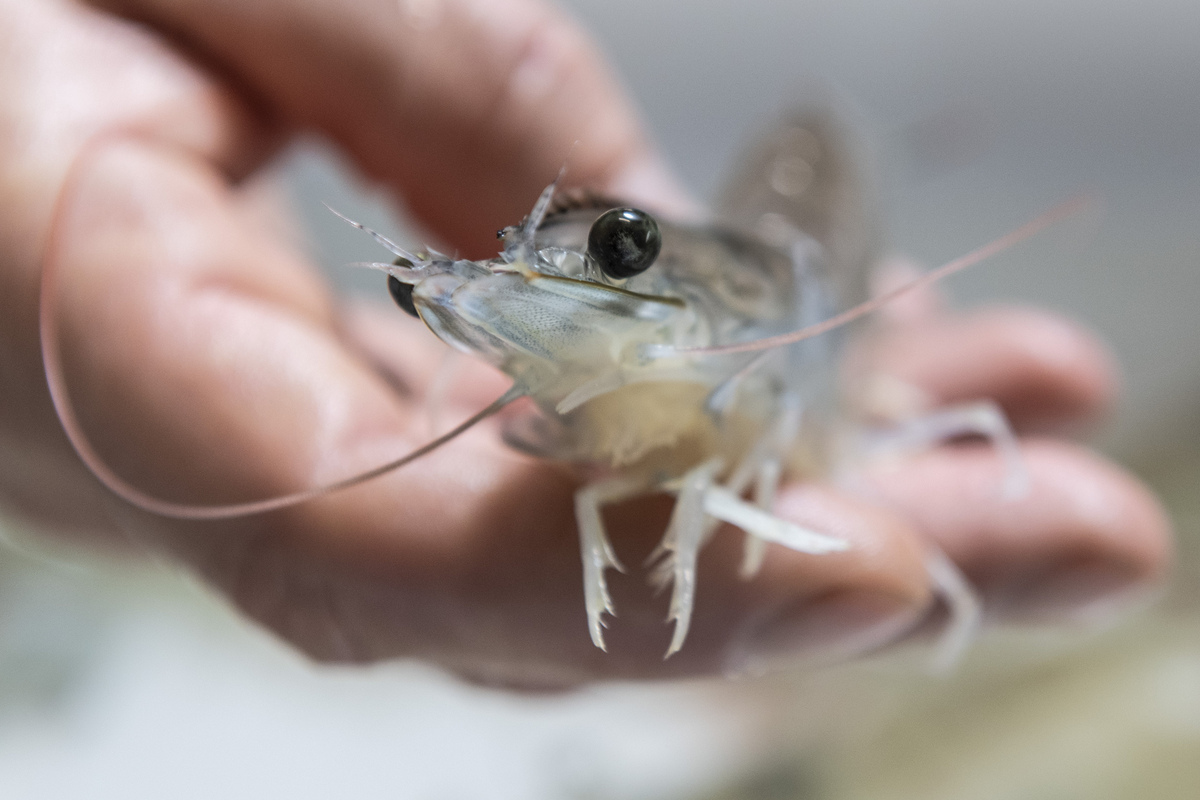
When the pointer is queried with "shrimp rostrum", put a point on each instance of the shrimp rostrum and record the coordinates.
(694, 360)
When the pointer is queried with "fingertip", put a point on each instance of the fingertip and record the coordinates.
(1049, 374)
(1124, 515)
(1060, 354)
(1088, 535)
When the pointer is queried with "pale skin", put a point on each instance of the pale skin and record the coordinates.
(209, 363)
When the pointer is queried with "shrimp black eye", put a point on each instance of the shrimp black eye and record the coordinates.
(400, 291)
(624, 242)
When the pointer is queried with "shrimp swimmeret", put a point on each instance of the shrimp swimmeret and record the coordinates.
(692, 360)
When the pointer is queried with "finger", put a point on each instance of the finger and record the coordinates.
(468, 107)
(1047, 373)
(185, 333)
(70, 75)
(1087, 538)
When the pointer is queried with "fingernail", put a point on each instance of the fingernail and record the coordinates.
(835, 628)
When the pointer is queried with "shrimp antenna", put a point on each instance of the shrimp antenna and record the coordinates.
(61, 400)
(1059, 212)
(165, 508)
(538, 213)
(387, 243)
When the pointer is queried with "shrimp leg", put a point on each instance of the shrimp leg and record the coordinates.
(763, 467)
(986, 419)
(963, 604)
(595, 549)
(680, 547)
(766, 486)
(728, 507)
(983, 418)
(699, 498)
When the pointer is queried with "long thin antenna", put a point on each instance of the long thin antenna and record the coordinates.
(387, 243)
(165, 508)
(60, 397)
(1059, 212)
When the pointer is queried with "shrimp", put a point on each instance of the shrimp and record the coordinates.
(694, 360)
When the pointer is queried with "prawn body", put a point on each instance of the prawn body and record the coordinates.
(615, 366)
(575, 341)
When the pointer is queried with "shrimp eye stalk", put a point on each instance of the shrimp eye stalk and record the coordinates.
(624, 242)
(400, 291)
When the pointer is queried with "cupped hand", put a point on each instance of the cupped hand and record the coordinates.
(208, 363)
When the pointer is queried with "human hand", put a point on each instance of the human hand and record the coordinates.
(208, 363)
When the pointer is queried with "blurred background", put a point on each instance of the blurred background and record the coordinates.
(132, 681)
